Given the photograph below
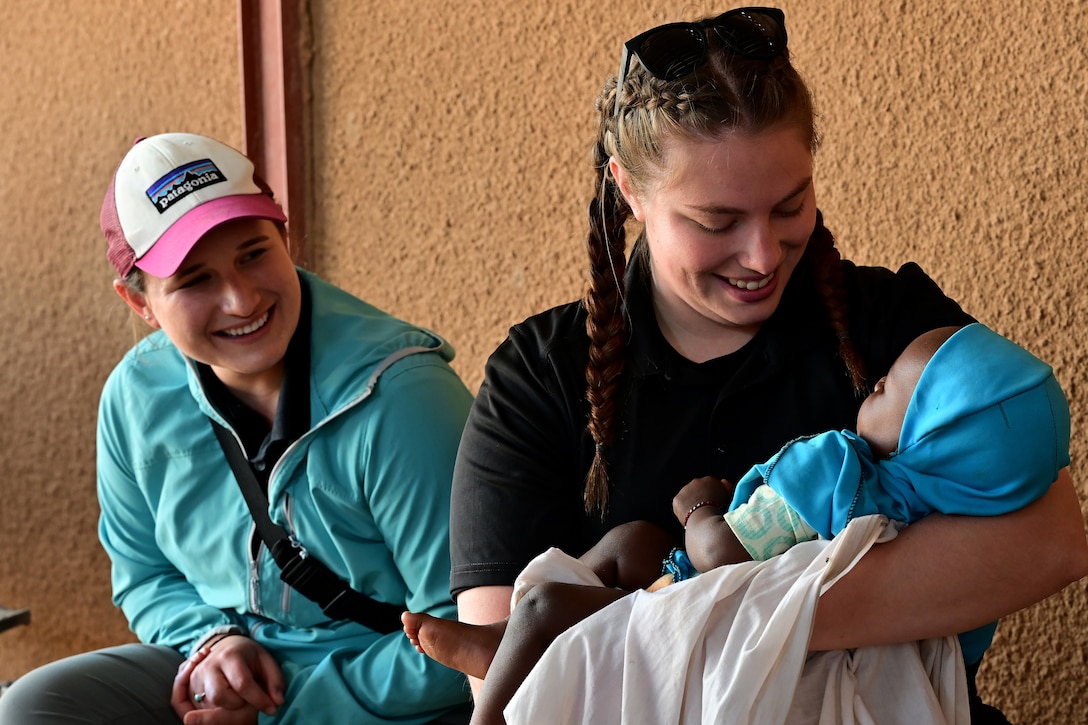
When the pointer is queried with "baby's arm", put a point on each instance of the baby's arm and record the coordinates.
(708, 538)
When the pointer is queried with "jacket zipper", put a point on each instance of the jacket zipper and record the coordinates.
(288, 509)
(254, 570)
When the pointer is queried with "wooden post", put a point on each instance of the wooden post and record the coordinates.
(273, 36)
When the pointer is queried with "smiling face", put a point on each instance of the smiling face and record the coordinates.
(726, 226)
(233, 304)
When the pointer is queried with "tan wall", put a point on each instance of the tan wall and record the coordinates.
(451, 182)
(79, 82)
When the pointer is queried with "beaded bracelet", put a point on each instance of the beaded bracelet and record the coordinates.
(698, 506)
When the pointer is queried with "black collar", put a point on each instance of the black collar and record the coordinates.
(264, 444)
(797, 324)
(651, 354)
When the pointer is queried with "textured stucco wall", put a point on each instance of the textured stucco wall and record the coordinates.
(451, 182)
(80, 81)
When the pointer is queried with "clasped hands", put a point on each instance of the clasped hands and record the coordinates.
(227, 682)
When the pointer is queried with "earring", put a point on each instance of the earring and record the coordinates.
(147, 317)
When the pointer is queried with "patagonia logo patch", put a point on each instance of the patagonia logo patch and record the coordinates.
(183, 181)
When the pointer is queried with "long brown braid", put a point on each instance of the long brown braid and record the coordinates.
(727, 94)
(605, 321)
(827, 273)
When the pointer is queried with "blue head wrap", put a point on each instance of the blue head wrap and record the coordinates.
(986, 431)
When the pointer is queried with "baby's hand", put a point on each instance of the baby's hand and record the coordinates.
(700, 490)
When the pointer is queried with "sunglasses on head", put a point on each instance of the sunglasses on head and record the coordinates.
(673, 51)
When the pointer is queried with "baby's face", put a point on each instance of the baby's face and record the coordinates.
(880, 419)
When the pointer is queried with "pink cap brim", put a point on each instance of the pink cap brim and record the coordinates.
(163, 259)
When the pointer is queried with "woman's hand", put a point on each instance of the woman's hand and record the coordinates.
(227, 683)
(698, 491)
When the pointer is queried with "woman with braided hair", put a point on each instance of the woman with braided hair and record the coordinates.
(731, 326)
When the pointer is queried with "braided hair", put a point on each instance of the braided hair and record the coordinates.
(728, 93)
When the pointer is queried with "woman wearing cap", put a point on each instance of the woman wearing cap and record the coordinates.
(736, 327)
(344, 418)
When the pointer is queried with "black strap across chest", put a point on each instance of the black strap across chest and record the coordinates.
(299, 569)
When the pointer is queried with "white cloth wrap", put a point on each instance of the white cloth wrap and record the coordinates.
(731, 646)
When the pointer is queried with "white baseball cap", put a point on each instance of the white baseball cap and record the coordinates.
(172, 189)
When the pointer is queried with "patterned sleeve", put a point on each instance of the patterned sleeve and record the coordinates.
(766, 525)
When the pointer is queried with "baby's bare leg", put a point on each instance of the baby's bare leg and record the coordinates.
(630, 555)
(543, 614)
(467, 648)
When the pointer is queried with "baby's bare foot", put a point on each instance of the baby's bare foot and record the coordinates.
(467, 648)
(411, 622)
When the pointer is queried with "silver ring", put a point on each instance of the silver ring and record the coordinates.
(199, 697)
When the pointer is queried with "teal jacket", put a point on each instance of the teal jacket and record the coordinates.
(366, 490)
